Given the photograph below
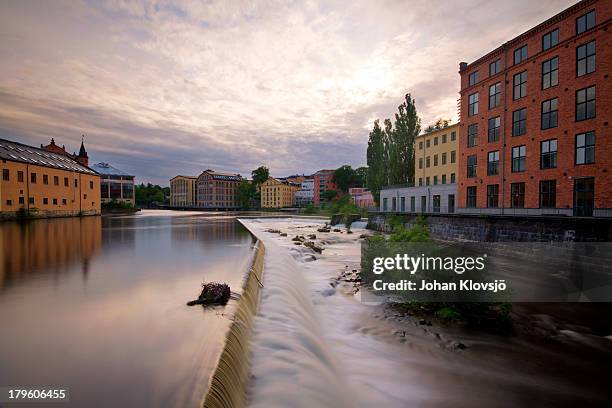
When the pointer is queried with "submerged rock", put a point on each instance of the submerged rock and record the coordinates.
(213, 293)
(313, 246)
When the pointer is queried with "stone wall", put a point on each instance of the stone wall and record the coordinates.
(504, 229)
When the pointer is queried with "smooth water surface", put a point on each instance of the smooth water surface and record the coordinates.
(97, 304)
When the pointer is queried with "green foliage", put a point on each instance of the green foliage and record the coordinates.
(345, 177)
(151, 195)
(440, 124)
(246, 195)
(329, 195)
(448, 313)
(417, 233)
(260, 174)
(310, 209)
(362, 176)
(114, 204)
(376, 174)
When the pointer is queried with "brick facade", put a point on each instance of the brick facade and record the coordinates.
(565, 174)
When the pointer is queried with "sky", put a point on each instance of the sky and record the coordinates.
(161, 88)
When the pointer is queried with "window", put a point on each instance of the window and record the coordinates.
(520, 54)
(473, 104)
(472, 135)
(470, 198)
(420, 145)
(31, 200)
(20, 176)
(91, 183)
(550, 73)
(403, 204)
(444, 179)
(550, 113)
(494, 124)
(548, 154)
(550, 39)
(385, 204)
(453, 156)
(548, 194)
(493, 195)
(473, 78)
(453, 136)
(452, 180)
(420, 181)
(5, 174)
(436, 141)
(493, 163)
(495, 67)
(495, 95)
(585, 59)
(56, 180)
(585, 22)
(443, 138)
(517, 194)
(76, 182)
(436, 203)
(45, 179)
(63, 201)
(435, 180)
(420, 163)
(520, 85)
(585, 103)
(472, 163)
(55, 201)
(585, 148)
(427, 180)
(427, 144)
(427, 161)
(435, 159)
(518, 158)
(412, 204)
(519, 122)
(393, 204)
(45, 201)
(443, 158)
(66, 181)
(21, 200)
(9, 202)
(33, 178)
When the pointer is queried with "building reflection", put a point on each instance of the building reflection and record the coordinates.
(47, 246)
(207, 230)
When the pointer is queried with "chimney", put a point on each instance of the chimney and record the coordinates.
(462, 66)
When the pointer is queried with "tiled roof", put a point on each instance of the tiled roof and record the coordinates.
(22, 153)
(107, 169)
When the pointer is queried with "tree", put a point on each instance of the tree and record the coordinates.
(407, 128)
(151, 195)
(329, 195)
(362, 176)
(345, 177)
(376, 161)
(260, 174)
(246, 193)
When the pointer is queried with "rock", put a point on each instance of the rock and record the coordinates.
(313, 246)
(283, 234)
(457, 345)
(324, 229)
(312, 236)
(423, 322)
(298, 238)
(213, 293)
(337, 230)
(297, 243)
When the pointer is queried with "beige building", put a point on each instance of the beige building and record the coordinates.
(183, 191)
(217, 190)
(436, 157)
(42, 183)
(277, 193)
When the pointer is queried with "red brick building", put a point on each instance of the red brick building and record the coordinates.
(322, 182)
(535, 135)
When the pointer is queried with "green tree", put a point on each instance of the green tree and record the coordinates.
(329, 195)
(151, 195)
(260, 174)
(362, 176)
(345, 177)
(407, 127)
(376, 161)
(246, 193)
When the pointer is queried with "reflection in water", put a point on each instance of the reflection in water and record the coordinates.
(47, 246)
(123, 335)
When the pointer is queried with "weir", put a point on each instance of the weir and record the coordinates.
(227, 388)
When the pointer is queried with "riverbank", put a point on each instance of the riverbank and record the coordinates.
(316, 343)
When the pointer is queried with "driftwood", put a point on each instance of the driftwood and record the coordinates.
(213, 293)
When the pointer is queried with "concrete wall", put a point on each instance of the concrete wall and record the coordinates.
(443, 190)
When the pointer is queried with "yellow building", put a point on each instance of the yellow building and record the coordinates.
(183, 191)
(45, 184)
(277, 193)
(436, 156)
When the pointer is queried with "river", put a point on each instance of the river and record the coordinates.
(97, 305)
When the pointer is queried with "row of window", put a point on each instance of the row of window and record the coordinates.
(45, 201)
(453, 159)
(435, 201)
(547, 195)
(435, 180)
(550, 39)
(549, 117)
(6, 176)
(584, 154)
(453, 137)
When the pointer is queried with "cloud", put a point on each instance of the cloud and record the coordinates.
(162, 88)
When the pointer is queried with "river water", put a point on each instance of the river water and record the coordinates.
(97, 305)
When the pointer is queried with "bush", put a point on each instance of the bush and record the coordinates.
(417, 233)
(114, 204)
(310, 209)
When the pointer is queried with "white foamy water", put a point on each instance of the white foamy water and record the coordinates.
(319, 346)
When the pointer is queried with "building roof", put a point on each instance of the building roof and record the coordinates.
(107, 169)
(181, 176)
(437, 131)
(23, 153)
(220, 174)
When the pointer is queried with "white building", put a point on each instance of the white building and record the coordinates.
(440, 198)
(305, 195)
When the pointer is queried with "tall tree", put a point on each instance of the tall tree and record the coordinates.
(376, 161)
(246, 194)
(260, 174)
(345, 177)
(406, 128)
(362, 176)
